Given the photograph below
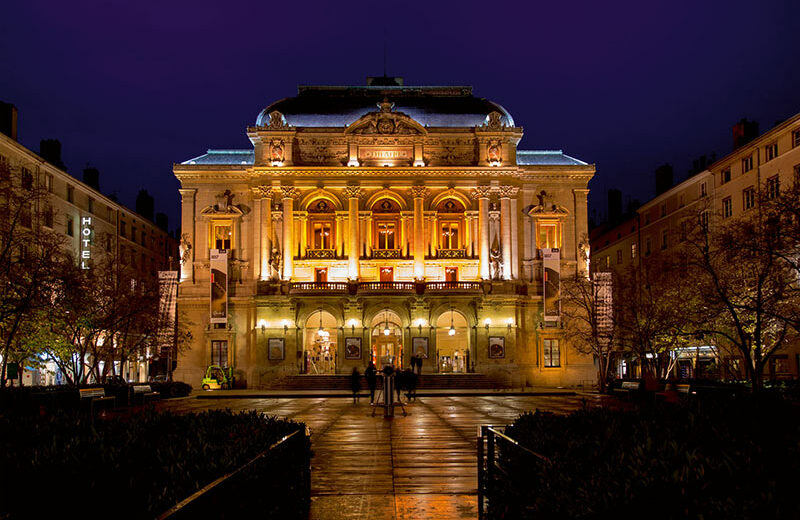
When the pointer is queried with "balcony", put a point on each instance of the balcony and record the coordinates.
(387, 287)
(451, 253)
(383, 254)
(318, 288)
(320, 254)
(453, 287)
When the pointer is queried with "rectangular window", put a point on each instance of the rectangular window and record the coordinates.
(749, 196)
(664, 238)
(704, 221)
(70, 194)
(552, 353)
(222, 235)
(619, 256)
(773, 187)
(548, 234)
(108, 243)
(123, 229)
(25, 214)
(219, 353)
(608, 262)
(48, 183)
(322, 235)
(647, 246)
(664, 210)
(448, 235)
(633, 251)
(727, 207)
(70, 227)
(680, 200)
(91, 205)
(27, 179)
(725, 176)
(770, 151)
(133, 233)
(386, 235)
(795, 138)
(703, 189)
(109, 215)
(747, 164)
(48, 216)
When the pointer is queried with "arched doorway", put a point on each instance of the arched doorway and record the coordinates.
(319, 348)
(452, 343)
(386, 339)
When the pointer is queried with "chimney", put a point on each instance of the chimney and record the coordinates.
(743, 132)
(50, 150)
(91, 177)
(162, 221)
(384, 81)
(614, 205)
(145, 205)
(8, 120)
(663, 178)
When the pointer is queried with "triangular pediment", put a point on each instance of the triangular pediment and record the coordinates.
(386, 122)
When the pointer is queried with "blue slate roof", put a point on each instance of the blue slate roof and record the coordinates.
(546, 158)
(229, 157)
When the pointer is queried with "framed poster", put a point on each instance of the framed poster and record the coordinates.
(497, 347)
(419, 346)
(275, 348)
(352, 348)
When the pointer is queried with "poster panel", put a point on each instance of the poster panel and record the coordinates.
(551, 263)
(219, 286)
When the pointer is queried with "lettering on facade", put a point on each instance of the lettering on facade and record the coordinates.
(86, 241)
(376, 154)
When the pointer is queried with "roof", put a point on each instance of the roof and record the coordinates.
(339, 106)
(224, 157)
(546, 157)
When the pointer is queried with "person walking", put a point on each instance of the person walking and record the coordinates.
(371, 375)
(419, 364)
(355, 383)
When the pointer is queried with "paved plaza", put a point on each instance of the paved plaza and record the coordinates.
(420, 466)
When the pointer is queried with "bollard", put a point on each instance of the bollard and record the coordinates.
(388, 395)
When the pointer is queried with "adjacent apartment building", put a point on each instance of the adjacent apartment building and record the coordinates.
(376, 222)
(727, 189)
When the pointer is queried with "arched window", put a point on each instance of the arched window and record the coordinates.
(386, 225)
(450, 214)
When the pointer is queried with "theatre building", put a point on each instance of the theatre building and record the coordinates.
(377, 222)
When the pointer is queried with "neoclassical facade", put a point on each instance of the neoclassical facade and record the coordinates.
(376, 222)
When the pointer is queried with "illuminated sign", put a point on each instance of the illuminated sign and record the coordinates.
(86, 240)
(377, 154)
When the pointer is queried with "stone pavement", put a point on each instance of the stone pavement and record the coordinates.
(420, 466)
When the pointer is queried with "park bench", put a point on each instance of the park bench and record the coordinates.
(673, 392)
(93, 396)
(143, 393)
(627, 389)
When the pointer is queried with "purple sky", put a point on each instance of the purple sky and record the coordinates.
(132, 87)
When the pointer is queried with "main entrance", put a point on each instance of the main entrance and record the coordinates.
(387, 340)
(319, 350)
(452, 343)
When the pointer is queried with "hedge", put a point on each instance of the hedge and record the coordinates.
(736, 458)
(130, 467)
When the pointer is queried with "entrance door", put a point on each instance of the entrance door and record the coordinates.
(387, 351)
(387, 274)
(451, 274)
(321, 274)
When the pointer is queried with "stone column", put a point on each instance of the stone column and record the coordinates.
(262, 228)
(482, 193)
(353, 193)
(506, 192)
(514, 216)
(289, 194)
(266, 237)
(188, 244)
(303, 218)
(466, 234)
(368, 233)
(434, 235)
(419, 193)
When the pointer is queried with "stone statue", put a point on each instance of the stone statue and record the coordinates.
(185, 249)
(275, 263)
(494, 262)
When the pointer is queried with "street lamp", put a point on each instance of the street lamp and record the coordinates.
(452, 331)
(386, 330)
(487, 323)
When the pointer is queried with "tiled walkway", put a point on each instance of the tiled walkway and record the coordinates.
(415, 467)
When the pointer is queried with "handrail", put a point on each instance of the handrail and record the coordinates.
(397, 286)
(202, 491)
(517, 444)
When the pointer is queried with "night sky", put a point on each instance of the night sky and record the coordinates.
(132, 87)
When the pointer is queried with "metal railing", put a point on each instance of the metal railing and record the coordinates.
(502, 493)
(273, 479)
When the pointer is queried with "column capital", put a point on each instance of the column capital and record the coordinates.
(261, 192)
(481, 192)
(507, 192)
(290, 192)
(353, 192)
(419, 192)
(187, 193)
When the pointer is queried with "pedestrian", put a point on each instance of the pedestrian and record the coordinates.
(414, 362)
(371, 375)
(419, 364)
(355, 383)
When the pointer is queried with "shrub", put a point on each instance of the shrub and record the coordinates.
(709, 459)
(131, 467)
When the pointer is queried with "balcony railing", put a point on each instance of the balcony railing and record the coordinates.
(386, 286)
(317, 287)
(451, 253)
(453, 286)
(382, 254)
(321, 254)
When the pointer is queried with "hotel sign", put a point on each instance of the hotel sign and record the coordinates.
(551, 264)
(219, 286)
(86, 241)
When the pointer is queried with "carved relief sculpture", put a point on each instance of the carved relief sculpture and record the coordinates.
(276, 151)
(419, 192)
(353, 192)
(481, 192)
(277, 121)
(494, 152)
(185, 249)
(495, 260)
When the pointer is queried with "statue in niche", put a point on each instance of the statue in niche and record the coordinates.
(275, 264)
(185, 249)
(495, 264)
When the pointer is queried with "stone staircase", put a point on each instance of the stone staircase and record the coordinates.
(426, 382)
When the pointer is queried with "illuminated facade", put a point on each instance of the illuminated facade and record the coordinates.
(376, 222)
